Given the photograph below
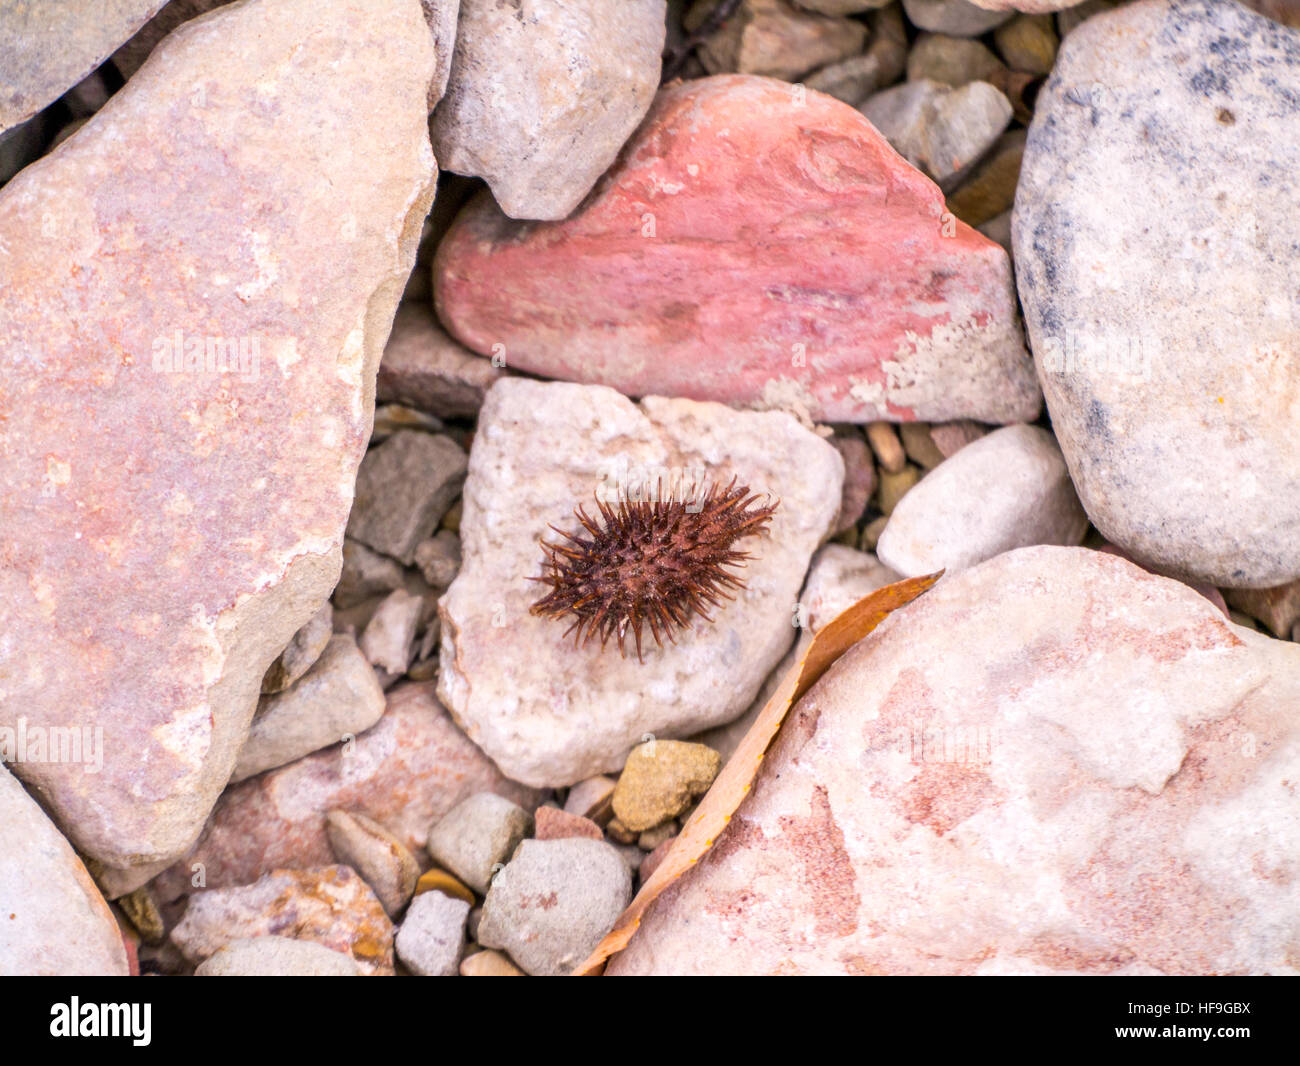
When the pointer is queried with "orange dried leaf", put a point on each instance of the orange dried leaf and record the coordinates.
(733, 783)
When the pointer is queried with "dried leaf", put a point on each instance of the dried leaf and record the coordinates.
(737, 777)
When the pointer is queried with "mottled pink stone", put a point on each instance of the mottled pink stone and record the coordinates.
(405, 772)
(756, 244)
(168, 524)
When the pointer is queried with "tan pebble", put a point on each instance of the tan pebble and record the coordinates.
(489, 964)
(451, 520)
(383, 861)
(660, 779)
(883, 439)
(441, 881)
(893, 487)
(141, 910)
(871, 533)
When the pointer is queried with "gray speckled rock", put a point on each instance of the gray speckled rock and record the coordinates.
(542, 95)
(1007, 490)
(550, 714)
(53, 921)
(432, 935)
(554, 901)
(1052, 762)
(277, 956)
(1170, 354)
(940, 130)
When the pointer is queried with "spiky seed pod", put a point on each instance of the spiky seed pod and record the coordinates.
(655, 562)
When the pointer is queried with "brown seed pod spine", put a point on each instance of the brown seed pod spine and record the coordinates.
(655, 562)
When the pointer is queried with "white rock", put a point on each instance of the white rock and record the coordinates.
(390, 633)
(1051, 762)
(1170, 355)
(542, 95)
(431, 937)
(550, 714)
(1007, 490)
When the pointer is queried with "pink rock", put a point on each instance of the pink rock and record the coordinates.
(859, 479)
(169, 525)
(756, 244)
(551, 823)
(331, 906)
(1053, 762)
(406, 771)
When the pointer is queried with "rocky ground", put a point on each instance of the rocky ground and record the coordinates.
(1009, 290)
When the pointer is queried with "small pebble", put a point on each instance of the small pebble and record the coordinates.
(893, 487)
(660, 779)
(884, 441)
(652, 838)
(476, 835)
(383, 861)
(277, 956)
(432, 935)
(592, 799)
(390, 633)
(918, 445)
(436, 880)
(489, 964)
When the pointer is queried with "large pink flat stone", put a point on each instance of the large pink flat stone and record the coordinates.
(166, 527)
(756, 244)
